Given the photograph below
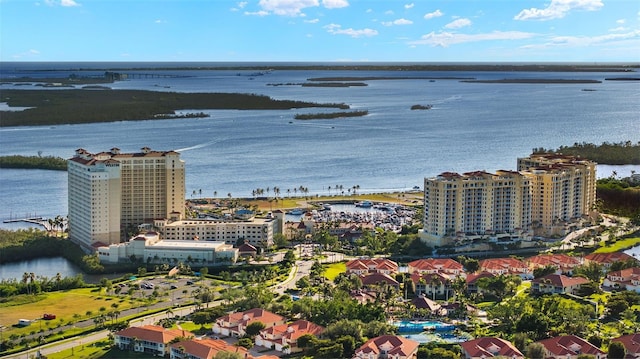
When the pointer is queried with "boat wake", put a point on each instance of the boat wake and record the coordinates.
(198, 146)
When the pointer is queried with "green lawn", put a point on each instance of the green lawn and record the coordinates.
(619, 245)
(64, 304)
(332, 270)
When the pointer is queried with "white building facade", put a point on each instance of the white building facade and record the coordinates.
(110, 192)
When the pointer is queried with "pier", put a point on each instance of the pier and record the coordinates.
(39, 221)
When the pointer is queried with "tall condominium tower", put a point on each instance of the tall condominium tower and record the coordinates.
(547, 196)
(475, 204)
(110, 192)
(564, 189)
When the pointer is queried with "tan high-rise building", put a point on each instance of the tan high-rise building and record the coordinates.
(564, 189)
(475, 204)
(111, 192)
(548, 194)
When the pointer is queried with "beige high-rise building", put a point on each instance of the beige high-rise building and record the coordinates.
(547, 195)
(475, 204)
(564, 190)
(111, 192)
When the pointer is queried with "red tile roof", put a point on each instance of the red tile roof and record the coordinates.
(373, 264)
(558, 260)
(252, 315)
(392, 344)
(559, 280)
(293, 331)
(376, 278)
(569, 345)
(154, 333)
(472, 278)
(608, 258)
(631, 343)
(489, 347)
(208, 348)
(435, 264)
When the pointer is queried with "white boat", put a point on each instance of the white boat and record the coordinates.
(296, 211)
(364, 204)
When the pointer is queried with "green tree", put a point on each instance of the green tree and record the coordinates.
(535, 351)
(254, 328)
(616, 351)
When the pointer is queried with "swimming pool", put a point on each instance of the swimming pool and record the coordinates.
(412, 326)
(439, 337)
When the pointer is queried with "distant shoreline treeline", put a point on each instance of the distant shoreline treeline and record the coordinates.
(34, 162)
(622, 153)
(85, 106)
(546, 67)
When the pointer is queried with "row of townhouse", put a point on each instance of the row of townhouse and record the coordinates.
(562, 347)
(433, 277)
(177, 343)
(277, 334)
(283, 337)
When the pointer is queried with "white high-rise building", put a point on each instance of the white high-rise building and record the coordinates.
(113, 192)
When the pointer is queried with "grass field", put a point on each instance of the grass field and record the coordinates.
(101, 349)
(333, 269)
(619, 245)
(63, 304)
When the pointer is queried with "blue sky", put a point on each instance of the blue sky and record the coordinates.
(321, 30)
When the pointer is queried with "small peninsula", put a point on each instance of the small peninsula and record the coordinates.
(329, 116)
(80, 106)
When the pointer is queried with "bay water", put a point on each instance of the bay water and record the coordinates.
(471, 126)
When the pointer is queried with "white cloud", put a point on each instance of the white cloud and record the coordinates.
(65, 3)
(312, 21)
(397, 22)
(160, 21)
(256, 13)
(388, 12)
(558, 9)
(336, 29)
(286, 7)
(409, 6)
(458, 23)
(335, 4)
(369, 11)
(242, 4)
(434, 14)
(618, 29)
(28, 54)
(621, 21)
(580, 41)
(446, 39)
(295, 7)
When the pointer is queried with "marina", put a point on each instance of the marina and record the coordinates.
(386, 216)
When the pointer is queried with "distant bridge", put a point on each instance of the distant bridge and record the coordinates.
(116, 76)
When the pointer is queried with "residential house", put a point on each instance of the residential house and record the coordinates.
(433, 285)
(557, 284)
(472, 281)
(489, 347)
(569, 347)
(436, 265)
(626, 279)
(373, 265)
(506, 266)
(284, 338)
(235, 324)
(363, 296)
(563, 263)
(424, 304)
(151, 339)
(631, 344)
(607, 259)
(388, 347)
(379, 279)
(203, 349)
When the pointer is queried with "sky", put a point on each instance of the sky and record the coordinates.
(321, 30)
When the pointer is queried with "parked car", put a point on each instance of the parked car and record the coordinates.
(48, 316)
